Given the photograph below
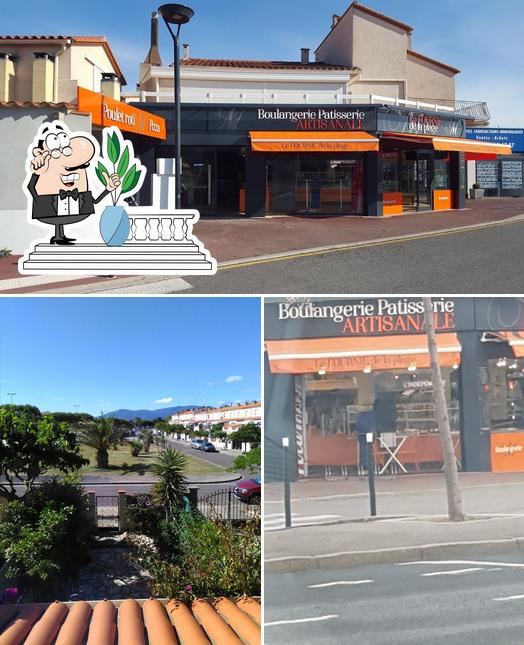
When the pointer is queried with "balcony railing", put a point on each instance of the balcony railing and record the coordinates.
(473, 110)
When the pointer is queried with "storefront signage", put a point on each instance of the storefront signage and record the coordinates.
(299, 118)
(499, 314)
(299, 427)
(420, 123)
(373, 317)
(107, 112)
(507, 452)
(513, 137)
(318, 119)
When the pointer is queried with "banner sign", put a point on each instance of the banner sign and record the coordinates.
(513, 137)
(421, 123)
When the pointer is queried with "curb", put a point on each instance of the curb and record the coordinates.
(349, 559)
(260, 259)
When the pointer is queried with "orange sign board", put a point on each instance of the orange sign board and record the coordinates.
(270, 141)
(106, 112)
(392, 203)
(442, 200)
(507, 452)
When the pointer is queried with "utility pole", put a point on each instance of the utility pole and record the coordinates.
(455, 512)
(287, 490)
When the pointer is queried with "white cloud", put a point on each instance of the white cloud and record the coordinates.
(166, 399)
(210, 383)
(234, 379)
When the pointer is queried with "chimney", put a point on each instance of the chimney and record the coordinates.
(334, 20)
(304, 55)
(185, 55)
(153, 55)
(110, 85)
(7, 77)
(43, 77)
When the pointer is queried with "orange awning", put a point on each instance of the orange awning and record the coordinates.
(515, 339)
(452, 144)
(352, 354)
(313, 142)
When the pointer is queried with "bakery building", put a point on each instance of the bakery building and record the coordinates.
(366, 126)
(332, 364)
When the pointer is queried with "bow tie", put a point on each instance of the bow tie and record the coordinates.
(69, 193)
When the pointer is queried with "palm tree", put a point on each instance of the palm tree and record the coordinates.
(171, 485)
(101, 434)
(147, 439)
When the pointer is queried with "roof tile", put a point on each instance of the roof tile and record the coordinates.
(260, 64)
(157, 622)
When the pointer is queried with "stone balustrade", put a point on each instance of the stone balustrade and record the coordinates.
(159, 228)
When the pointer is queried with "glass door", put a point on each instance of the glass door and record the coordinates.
(416, 177)
(423, 175)
(198, 181)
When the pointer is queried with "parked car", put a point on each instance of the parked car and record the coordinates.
(249, 490)
(207, 446)
(196, 443)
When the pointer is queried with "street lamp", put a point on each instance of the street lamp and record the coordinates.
(176, 14)
(11, 394)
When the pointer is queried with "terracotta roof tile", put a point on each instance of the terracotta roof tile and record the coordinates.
(260, 64)
(29, 104)
(133, 622)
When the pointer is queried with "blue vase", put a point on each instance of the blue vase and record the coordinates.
(114, 225)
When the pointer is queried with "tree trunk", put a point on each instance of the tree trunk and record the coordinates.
(102, 458)
(455, 512)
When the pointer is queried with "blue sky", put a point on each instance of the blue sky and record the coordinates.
(110, 353)
(483, 39)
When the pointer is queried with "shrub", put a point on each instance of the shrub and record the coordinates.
(195, 556)
(135, 447)
(43, 537)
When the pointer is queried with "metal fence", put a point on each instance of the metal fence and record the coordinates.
(224, 505)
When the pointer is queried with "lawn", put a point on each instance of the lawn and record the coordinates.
(122, 462)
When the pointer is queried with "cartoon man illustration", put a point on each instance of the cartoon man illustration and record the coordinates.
(59, 183)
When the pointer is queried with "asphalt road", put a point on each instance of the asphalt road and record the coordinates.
(222, 459)
(478, 600)
(489, 260)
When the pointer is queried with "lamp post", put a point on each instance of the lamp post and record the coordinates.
(176, 14)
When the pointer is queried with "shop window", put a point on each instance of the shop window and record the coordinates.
(506, 392)
(315, 185)
(398, 403)
(441, 173)
(390, 183)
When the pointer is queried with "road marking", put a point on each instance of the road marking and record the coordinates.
(340, 582)
(519, 597)
(454, 572)
(510, 565)
(277, 521)
(346, 247)
(301, 620)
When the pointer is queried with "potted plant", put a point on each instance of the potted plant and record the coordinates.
(114, 223)
(476, 192)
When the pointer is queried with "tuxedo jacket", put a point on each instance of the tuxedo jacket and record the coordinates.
(45, 207)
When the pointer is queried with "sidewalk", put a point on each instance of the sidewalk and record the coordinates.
(232, 240)
(411, 524)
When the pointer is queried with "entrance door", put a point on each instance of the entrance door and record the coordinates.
(416, 177)
(198, 184)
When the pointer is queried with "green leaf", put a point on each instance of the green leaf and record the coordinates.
(135, 181)
(116, 142)
(123, 163)
(112, 152)
(99, 170)
(129, 179)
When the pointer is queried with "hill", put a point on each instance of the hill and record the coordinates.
(149, 415)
